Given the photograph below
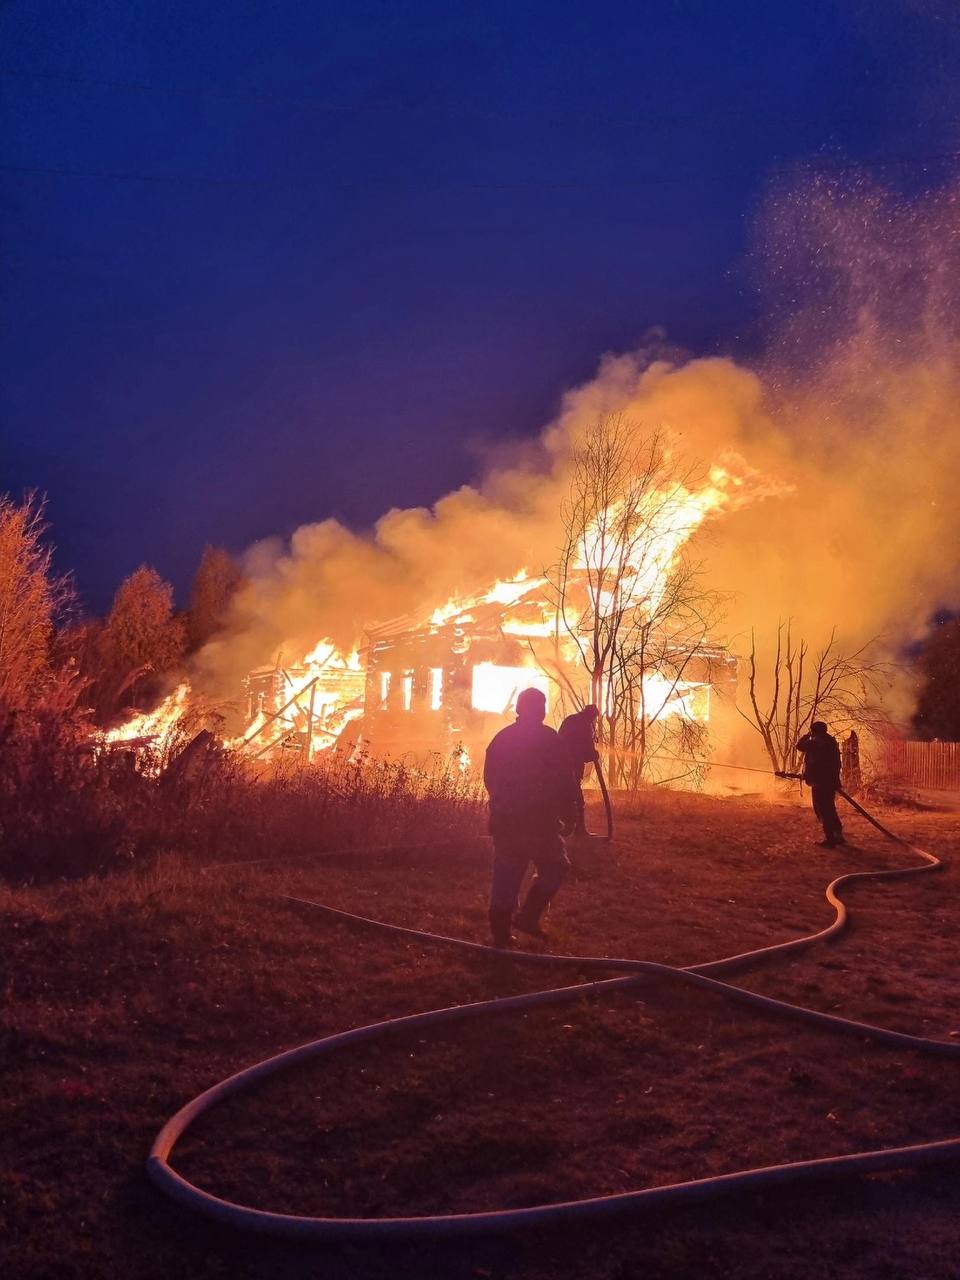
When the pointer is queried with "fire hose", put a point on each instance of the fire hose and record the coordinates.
(606, 800)
(633, 972)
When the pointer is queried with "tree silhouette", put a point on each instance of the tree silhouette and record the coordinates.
(791, 687)
(217, 579)
(32, 596)
(141, 639)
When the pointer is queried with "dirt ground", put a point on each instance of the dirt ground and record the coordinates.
(125, 997)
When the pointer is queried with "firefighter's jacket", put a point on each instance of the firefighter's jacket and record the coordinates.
(821, 759)
(576, 734)
(527, 774)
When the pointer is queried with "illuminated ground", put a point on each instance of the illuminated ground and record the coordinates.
(125, 999)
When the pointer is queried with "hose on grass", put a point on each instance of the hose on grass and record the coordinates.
(633, 973)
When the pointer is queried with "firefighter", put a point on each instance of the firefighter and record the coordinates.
(532, 794)
(821, 773)
(577, 736)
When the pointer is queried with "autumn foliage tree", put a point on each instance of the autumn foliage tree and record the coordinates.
(32, 596)
(217, 579)
(141, 639)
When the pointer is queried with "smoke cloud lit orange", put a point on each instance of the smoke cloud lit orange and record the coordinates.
(844, 436)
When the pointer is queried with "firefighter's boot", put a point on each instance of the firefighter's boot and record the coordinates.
(528, 918)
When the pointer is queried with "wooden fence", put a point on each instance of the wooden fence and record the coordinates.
(935, 765)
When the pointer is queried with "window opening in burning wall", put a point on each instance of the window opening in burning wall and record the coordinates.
(495, 688)
(436, 688)
(407, 690)
(384, 689)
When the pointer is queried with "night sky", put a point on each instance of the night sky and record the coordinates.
(265, 263)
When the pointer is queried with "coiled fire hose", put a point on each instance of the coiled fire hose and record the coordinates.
(634, 972)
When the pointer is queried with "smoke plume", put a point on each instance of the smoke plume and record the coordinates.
(850, 416)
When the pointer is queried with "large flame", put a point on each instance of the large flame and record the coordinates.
(505, 592)
(153, 726)
(634, 542)
(306, 706)
(313, 701)
(495, 688)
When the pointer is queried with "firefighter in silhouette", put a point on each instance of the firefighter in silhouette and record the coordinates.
(532, 795)
(821, 773)
(576, 735)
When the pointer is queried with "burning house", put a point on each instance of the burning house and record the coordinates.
(453, 678)
(449, 681)
(304, 707)
(420, 684)
(622, 621)
(457, 683)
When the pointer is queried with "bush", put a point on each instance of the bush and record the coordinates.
(340, 801)
(71, 805)
(65, 809)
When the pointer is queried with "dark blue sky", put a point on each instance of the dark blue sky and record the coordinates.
(263, 263)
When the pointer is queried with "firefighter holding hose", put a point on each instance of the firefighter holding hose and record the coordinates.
(821, 773)
(533, 794)
(577, 736)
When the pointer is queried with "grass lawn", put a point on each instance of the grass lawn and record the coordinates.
(125, 997)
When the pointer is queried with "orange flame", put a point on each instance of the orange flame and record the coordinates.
(152, 724)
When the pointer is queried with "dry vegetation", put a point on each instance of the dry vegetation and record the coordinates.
(126, 995)
(68, 808)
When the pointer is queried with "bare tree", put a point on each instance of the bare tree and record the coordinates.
(662, 650)
(631, 609)
(32, 595)
(795, 688)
